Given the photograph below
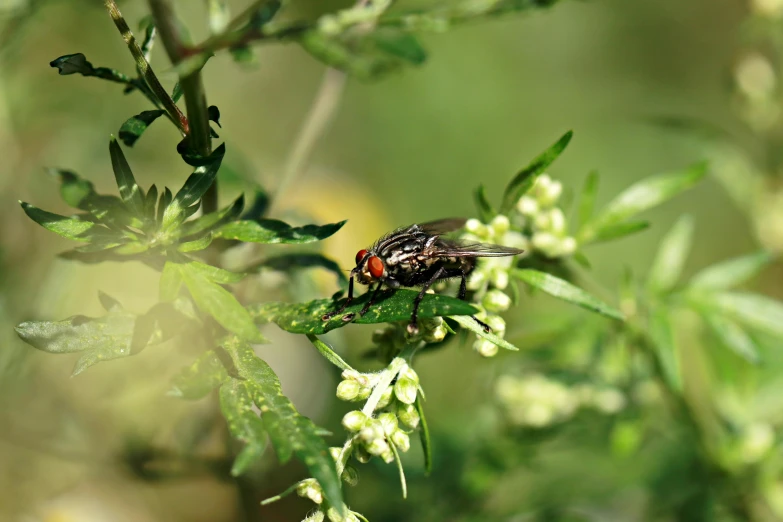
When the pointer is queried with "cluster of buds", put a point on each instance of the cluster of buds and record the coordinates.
(536, 401)
(756, 85)
(540, 219)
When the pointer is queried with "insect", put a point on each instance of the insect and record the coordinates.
(418, 256)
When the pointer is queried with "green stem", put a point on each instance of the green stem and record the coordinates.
(192, 89)
(143, 66)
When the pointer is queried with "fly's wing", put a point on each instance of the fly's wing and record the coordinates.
(443, 248)
(442, 226)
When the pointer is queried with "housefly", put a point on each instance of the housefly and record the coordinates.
(418, 256)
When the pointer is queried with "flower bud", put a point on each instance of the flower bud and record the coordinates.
(485, 348)
(364, 393)
(496, 301)
(354, 420)
(541, 186)
(546, 243)
(436, 335)
(408, 416)
(360, 454)
(304, 485)
(474, 226)
(372, 431)
(609, 401)
(542, 221)
(567, 246)
(318, 516)
(353, 375)
(348, 390)
(385, 398)
(311, 489)
(377, 447)
(334, 516)
(549, 195)
(388, 422)
(387, 456)
(400, 439)
(756, 441)
(409, 373)
(497, 323)
(500, 225)
(350, 475)
(557, 221)
(405, 390)
(335, 451)
(527, 206)
(515, 240)
(476, 279)
(500, 279)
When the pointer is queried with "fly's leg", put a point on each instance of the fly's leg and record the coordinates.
(348, 301)
(372, 300)
(463, 286)
(412, 327)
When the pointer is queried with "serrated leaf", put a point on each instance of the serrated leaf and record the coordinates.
(290, 432)
(731, 273)
(587, 198)
(289, 262)
(218, 302)
(195, 187)
(135, 126)
(470, 324)
(130, 193)
(399, 44)
(270, 231)
(483, 206)
(200, 378)
(666, 350)
(391, 306)
(243, 423)
(671, 256)
(642, 196)
(526, 178)
(732, 336)
(66, 227)
(564, 290)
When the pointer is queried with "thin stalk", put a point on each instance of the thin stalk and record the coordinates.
(143, 66)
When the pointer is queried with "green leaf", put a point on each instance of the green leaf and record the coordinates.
(424, 434)
(78, 64)
(150, 200)
(208, 222)
(215, 274)
(135, 126)
(732, 336)
(753, 310)
(218, 302)
(289, 262)
(400, 45)
(259, 207)
(525, 179)
(71, 228)
(564, 290)
(644, 195)
(470, 324)
(195, 187)
(617, 231)
(269, 231)
(666, 351)
(73, 189)
(130, 193)
(200, 378)
(731, 273)
(483, 206)
(170, 282)
(389, 307)
(290, 432)
(328, 353)
(587, 199)
(672, 254)
(243, 423)
(195, 245)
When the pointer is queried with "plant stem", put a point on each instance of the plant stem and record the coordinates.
(321, 113)
(144, 68)
(192, 89)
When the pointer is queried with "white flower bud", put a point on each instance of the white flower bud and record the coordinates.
(318, 516)
(388, 422)
(538, 415)
(353, 375)
(542, 221)
(542, 185)
(499, 279)
(549, 195)
(408, 416)
(304, 485)
(557, 221)
(756, 441)
(527, 206)
(364, 393)
(405, 390)
(567, 246)
(373, 430)
(385, 398)
(474, 226)
(348, 390)
(755, 76)
(350, 475)
(377, 447)
(436, 335)
(500, 225)
(311, 489)
(409, 373)
(496, 301)
(609, 401)
(515, 240)
(354, 420)
(497, 323)
(476, 279)
(360, 454)
(400, 439)
(485, 348)
(546, 243)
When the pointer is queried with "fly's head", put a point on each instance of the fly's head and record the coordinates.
(369, 268)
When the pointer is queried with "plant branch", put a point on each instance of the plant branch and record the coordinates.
(192, 89)
(144, 68)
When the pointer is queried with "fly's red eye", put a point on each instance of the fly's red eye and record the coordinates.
(360, 255)
(376, 267)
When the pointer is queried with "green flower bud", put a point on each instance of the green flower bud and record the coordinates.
(546, 243)
(557, 222)
(543, 221)
(350, 475)
(408, 416)
(500, 225)
(496, 301)
(436, 335)
(497, 323)
(372, 431)
(377, 447)
(353, 375)
(477, 279)
(311, 489)
(527, 206)
(499, 279)
(474, 226)
(485, 348)
(304, 485)
(318, 516)
(364, 393)
(548, 196)
(388, 422)
(568, 246)
(409, 373)
(405, 390)
(354, 420)
(348, 390)
(385, 398)
(360, 454)
(334, 516)
(388, 455)
(400, 439)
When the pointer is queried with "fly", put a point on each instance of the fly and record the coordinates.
(418, 256)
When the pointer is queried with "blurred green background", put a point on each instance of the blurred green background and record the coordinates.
(405, 149)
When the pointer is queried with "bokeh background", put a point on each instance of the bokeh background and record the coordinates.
(408, 148)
